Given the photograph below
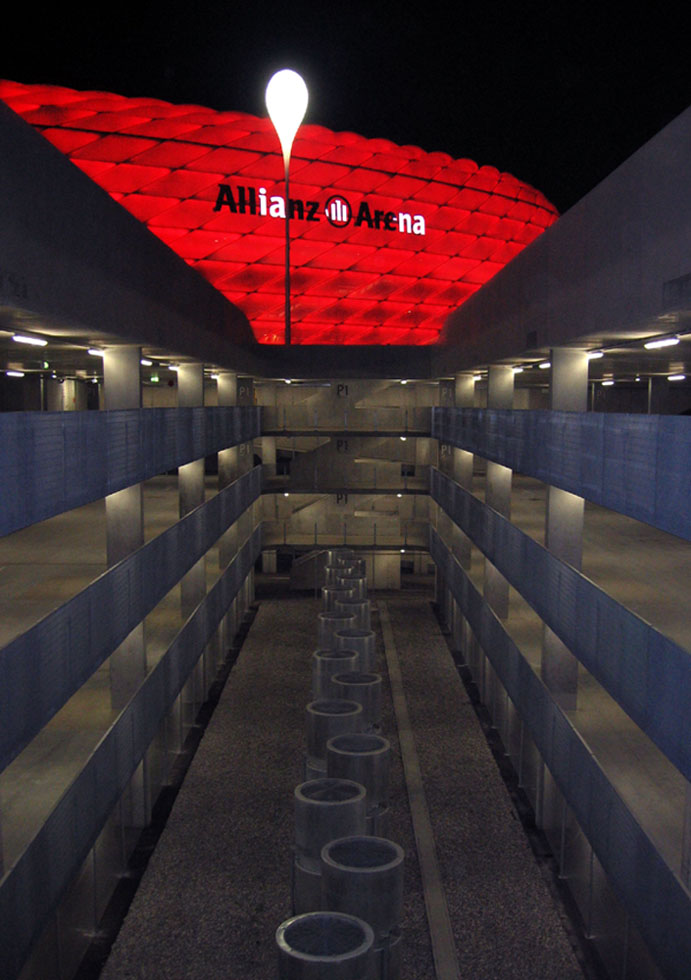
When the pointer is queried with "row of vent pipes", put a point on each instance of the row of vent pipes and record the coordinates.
(347, 875)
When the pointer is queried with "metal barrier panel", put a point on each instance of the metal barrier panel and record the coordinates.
(33, 887)
(645, 672)
(55, 461)
(638, 465)
(43, 667)
(326, 419)
(654, 897)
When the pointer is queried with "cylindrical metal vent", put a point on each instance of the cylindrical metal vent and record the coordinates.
(323, 945)
(365, 759)
(363, 687)
(326, 663)
(355, 582)
(359, 608)
(328, 717)
(330, 623)
(362, 640)
(331, 594)
(364, 874)
(324, 810)
(331, 574)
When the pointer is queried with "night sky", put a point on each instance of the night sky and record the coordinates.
(556, 95)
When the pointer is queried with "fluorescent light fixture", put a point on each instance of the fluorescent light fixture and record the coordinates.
(145, 362)
(593, 355)
(14, 374)
(607, 384)
(95, 352)
(676, 377)
(661, 342)
(545, 365)
(173, 367)
(517, 370)
(22, 338)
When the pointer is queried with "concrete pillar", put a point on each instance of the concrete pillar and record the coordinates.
(564, 522)
(498, 486)
(465, 391)
(124, 520)
(269, 455)
(191, 485)
(269, 561)
(227, 385)
(124, 534)
(463, 462)
(227, 464)
(658, 395)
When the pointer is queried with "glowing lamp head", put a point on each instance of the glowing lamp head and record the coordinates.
(286, 101)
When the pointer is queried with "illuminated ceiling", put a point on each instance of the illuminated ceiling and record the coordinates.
(385, 240)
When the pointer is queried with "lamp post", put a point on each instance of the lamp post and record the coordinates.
(286, 101)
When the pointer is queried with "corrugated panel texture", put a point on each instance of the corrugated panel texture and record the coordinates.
(54, 461)
(638, 465)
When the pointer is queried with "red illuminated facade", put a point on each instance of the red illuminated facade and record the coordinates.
(385, 240)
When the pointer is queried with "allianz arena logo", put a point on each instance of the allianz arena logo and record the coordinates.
(337, 210)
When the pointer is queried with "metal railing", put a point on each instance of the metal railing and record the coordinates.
(289, 419)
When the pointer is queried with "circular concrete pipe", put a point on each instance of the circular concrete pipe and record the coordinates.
(363, 687)
(359, 608)
(326, 663)
(331, 594)
(355, 582)
(323, 945)
(324, 810)
(327, 717)
(330, 623)
(364, 876)
(362, 640)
